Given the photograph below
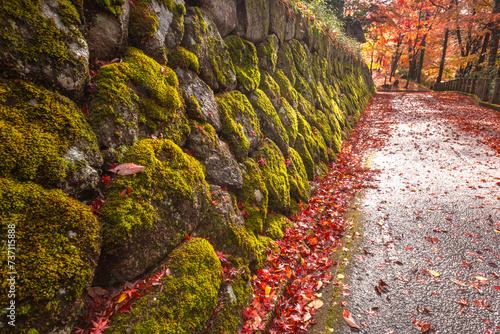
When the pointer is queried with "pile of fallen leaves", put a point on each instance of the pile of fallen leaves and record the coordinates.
(297, 267)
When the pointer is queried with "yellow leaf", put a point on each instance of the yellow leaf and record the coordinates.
(122, 298)
(434, 273)
(268, 290)
(481, 278)
(498, 231)
(340, 276)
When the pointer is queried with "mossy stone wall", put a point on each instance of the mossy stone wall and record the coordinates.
(231, 115)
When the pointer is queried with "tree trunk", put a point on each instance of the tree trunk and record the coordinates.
(494, 37)
(421, 60)
(483, 51)
(443, 57)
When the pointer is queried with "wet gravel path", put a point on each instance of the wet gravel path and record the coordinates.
(430, 228)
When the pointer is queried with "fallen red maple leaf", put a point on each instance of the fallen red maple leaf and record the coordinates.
(349, 320)
(127, 169)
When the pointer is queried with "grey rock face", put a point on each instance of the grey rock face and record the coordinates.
(253, 20)
(223, 14)
(193, 86)
(221, 166)
(107, 35)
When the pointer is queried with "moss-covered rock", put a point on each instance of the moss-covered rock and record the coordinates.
(240, 124)
(302, 59)
(267, 51)
(40, 41)
(275, 224)
(288, 118)
(220, 166)
(236, 296)
(188, 297)
(286, 63)
(44, 138)
(301, 148)
(112, 6)
(269, 86)
(198, 94)
(203, 39)
(155, 26)
(230, 233)
(57, 243)
(315, 145)
(300, 190)
(270, 122)
(272, 165)
(137, 98)
(253, 196)
(167, 201)
(180, 57)
(286, 88)
(245, 61)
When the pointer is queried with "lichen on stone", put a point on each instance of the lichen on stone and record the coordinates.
(270, 122)
(267, 52)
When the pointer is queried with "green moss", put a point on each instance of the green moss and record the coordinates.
(270, 122)
(139, 85)
(266, 51)
(36, 129)
(300, 57)
(240, 124)
(286, 88)
(187, 300)
(68, 13)
(300, 190)
(170, 176)
(301, 148)
(303, 88)
(237, 295)
(142, 22)
(210, 49)
(275, 224)
(289, 120)
(30, 38)
(113, 6)
(193, 110)
(273, 169)
(270, 87)
(286, 63)
(57, 244)
(180, 57)
(253, 196)
(245, 61)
